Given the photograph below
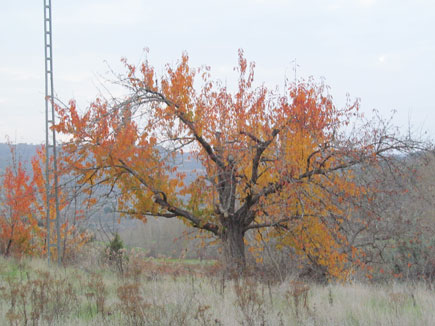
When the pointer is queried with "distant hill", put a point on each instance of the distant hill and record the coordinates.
(24, 153)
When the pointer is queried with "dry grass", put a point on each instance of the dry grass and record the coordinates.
(161, 293)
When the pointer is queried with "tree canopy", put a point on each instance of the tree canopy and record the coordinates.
(273, 160)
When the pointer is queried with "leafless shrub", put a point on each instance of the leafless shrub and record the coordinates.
(250, 302)
(298, 293)
(131, 303)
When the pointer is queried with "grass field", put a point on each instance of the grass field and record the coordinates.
(158, 292)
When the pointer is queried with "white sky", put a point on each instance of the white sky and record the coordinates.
(382, 51)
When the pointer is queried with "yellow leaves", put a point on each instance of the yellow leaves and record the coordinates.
(315, 241)
(256, 248)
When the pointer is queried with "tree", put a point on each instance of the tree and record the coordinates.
(270, 160)
(23, 208)
(73, 207)
(18, 223)
(400, 242)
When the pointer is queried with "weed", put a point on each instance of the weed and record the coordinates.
(98, 292)
(43, 298)
(181, 295)
(398, 300)
(250, 302)
(131, 303)
(298, 292)
(204, 317)
(330, 298)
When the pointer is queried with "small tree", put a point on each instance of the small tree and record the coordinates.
(270, 160)
(116, 244)
(23, 211)
(18, 223)
(73, 207)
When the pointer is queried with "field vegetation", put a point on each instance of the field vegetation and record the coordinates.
(148, 291)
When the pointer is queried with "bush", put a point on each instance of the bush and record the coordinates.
(115, 253)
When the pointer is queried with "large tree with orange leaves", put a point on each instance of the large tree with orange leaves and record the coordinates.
(270, 160)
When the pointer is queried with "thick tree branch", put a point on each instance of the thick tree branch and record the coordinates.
(161, 199)
(262, 146)
(159, 97)
(271, 224)
(196, 222)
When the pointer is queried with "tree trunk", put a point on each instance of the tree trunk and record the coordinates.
(8, 248)
(234, 250)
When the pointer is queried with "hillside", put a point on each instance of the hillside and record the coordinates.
(24, 153)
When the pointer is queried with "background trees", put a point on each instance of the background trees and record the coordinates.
(284, 161)
(23, 211)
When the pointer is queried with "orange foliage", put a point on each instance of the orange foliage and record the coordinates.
(18, 223)
(71, 238)
(23, 212)
(269, 160)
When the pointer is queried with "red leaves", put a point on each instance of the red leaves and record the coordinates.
(17, 212)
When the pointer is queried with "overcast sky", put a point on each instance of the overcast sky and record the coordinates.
(381, 51)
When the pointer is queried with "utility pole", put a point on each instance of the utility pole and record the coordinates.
(51, 171)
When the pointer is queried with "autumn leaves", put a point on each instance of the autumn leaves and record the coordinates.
(279, 163)
(23, 212)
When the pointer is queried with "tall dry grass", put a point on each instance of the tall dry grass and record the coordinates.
(151, 292)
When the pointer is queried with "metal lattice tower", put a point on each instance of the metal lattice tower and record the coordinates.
(51, 171)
